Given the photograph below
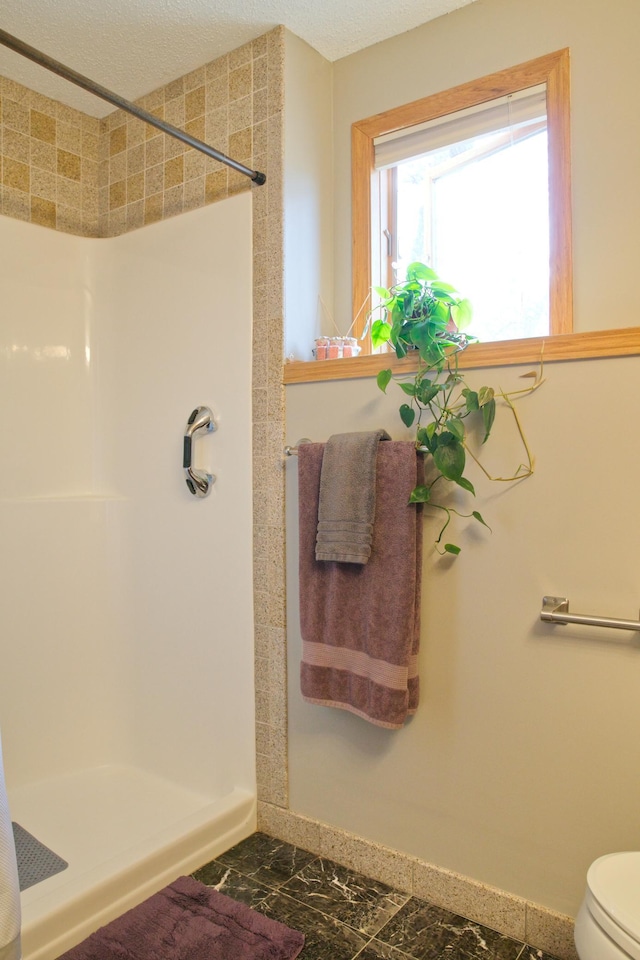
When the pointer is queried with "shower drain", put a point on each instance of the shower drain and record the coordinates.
(35, 861)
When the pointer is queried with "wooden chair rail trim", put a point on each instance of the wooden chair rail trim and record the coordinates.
(571, 346)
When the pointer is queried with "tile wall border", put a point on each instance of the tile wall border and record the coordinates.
(512, 916)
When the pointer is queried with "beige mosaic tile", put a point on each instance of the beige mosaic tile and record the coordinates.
(15, 116)
(550, 931)
(240, 81)
(371, 859)
(213, 103)
(153, 207)
(69, 137)
(68, 165)
(291, 827)
(43, 212)
(42, 127)
(15, 203)
(43, 184)
(194, 193)
(48, 158)
(16, 175)
(43, 154)
(476, 901)
(135, 187)
(17, 146)
(194, 103)
(117, 195)
(118, 140)
(194, 79)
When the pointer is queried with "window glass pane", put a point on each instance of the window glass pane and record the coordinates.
(478, 212)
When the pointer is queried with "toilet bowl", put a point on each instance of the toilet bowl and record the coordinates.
(608, 923)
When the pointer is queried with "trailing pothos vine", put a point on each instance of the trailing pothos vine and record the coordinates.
(425, 315)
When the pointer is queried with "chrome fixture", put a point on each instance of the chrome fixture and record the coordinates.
(293, 451)
(198, 482)
(556, 610)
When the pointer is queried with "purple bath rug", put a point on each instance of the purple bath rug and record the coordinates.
(189, 921)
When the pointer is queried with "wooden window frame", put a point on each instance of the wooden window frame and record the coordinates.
(552, 69)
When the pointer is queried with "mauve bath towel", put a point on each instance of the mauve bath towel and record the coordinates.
(361, 623)
(189, 921)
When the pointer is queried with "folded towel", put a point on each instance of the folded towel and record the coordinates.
(348, 497)
(361, 623)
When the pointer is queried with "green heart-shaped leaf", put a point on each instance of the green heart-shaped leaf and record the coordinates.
(466, 485)
(407, 414)
(450, 459)
(452, 548)
(383, 379)
(488, 416)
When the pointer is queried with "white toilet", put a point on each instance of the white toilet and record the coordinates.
(608, 924)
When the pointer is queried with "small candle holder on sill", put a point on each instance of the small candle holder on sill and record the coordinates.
(335, 348)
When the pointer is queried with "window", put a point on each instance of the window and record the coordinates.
(475, 182)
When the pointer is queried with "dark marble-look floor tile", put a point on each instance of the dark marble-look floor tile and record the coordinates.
(426, 932)
(349, 897)
(375, 950)
(530, 953)
(270, 861)
(233, 884)
(325, 938)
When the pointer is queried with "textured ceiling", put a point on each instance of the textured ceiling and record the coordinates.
(133, 46)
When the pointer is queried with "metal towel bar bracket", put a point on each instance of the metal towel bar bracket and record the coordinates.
(556, 610)
(290, 451)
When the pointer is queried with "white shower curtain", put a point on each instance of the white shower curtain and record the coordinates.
(9, 885)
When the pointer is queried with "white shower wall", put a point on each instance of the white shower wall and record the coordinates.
(181, 311)
(58, 691)
(126, 626)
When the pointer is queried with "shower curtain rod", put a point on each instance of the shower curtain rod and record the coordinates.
(44, 61)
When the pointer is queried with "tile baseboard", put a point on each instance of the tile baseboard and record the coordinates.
(504, 912)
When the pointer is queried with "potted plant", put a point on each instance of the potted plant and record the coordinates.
(427, 316)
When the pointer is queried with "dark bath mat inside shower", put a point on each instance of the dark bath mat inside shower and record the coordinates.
(35, 861)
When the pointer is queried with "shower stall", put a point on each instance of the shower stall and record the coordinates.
(126, 624)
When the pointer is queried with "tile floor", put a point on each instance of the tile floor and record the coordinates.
(344, 915)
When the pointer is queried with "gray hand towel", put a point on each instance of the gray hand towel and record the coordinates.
(347, 501)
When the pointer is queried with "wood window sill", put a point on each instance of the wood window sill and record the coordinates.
(570, 346)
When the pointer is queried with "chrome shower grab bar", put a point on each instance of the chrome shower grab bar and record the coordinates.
(198, 482)
(556, 610)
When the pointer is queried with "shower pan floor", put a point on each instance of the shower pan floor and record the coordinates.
(125, 833)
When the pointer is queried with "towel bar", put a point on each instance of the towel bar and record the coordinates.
(293, 451)
(556, 610)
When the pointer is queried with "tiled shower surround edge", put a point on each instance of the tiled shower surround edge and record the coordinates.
(62, 169)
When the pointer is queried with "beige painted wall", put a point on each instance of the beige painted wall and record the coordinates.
(521, 765)
(307, 185)
(491, 35)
